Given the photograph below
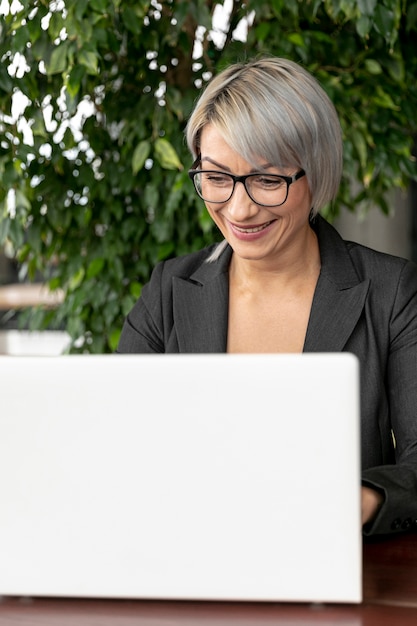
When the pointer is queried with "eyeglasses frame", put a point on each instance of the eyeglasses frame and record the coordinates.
(289, 180)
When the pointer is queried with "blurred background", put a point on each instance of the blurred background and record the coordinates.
(94, 98)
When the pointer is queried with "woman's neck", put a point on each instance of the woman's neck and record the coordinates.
(298, 263)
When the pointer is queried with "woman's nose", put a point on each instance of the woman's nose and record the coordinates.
(241, 206)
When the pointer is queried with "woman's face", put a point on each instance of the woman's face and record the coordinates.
(253, 231)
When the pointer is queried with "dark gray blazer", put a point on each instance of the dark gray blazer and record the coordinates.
(365, 303)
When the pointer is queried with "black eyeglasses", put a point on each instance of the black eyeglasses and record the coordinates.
(262, 188)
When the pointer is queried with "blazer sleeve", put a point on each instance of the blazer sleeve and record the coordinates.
(398, 482)
(143, 331)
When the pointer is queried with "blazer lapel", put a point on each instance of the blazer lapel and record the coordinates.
(201, 307)
(201, 301)
(339, 297)
(334, 315)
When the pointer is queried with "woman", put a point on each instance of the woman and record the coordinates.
(268, 155)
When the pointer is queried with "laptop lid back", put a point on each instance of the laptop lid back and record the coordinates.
(219, 477)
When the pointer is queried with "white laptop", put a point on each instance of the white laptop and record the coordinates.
(209, 477)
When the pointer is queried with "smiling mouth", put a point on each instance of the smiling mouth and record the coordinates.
(253, 229)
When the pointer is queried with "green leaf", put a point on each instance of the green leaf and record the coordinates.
(131, 20)
(54, 283)
(396, 69)
(4, 230)
(384, 20)
(166, 155)
(98, 5)
(297, 39)
(363, 26)
(95, 267)
(367, 7)
(22, 201)
(89, 59)
(77, 279)
(58, 62)
(384, 100)
(262, 31)
(349, 8)
(80, 8)
(56, 24)
(114, 338)
(140, 154)
(74, 80)
(360, 144)
(135, 289)
(373, 67)
(6, 83)
(165, 250)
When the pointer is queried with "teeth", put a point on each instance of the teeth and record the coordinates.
(257, 229)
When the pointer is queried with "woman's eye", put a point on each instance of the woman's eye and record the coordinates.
(217, 179)
(266, 181)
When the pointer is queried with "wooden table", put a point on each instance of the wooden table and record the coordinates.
(22, 295)
(390, 599)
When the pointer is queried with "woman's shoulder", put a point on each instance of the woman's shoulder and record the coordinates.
(388, 273)
(392, 278)
(375, 260)
(184, 266)
(367, 261)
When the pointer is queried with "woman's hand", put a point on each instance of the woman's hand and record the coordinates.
(371, 503)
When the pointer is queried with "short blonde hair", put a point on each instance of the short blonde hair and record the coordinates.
(274, 109)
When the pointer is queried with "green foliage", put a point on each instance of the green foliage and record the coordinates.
(94, 187)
